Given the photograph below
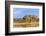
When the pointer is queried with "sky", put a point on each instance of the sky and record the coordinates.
(21, 12)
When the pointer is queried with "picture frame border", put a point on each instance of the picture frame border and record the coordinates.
(7, 3)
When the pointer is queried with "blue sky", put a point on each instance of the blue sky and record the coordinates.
(20, 12)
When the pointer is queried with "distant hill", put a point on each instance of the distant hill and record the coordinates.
(27, 18)
(26, 21)
(30, 18)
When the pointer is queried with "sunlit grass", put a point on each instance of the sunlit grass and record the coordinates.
(26, 22)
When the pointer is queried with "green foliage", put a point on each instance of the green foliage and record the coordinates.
(26, 19)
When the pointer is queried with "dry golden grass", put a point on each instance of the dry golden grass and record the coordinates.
(26, 22)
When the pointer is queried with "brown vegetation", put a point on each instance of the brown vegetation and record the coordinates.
(27, 21)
